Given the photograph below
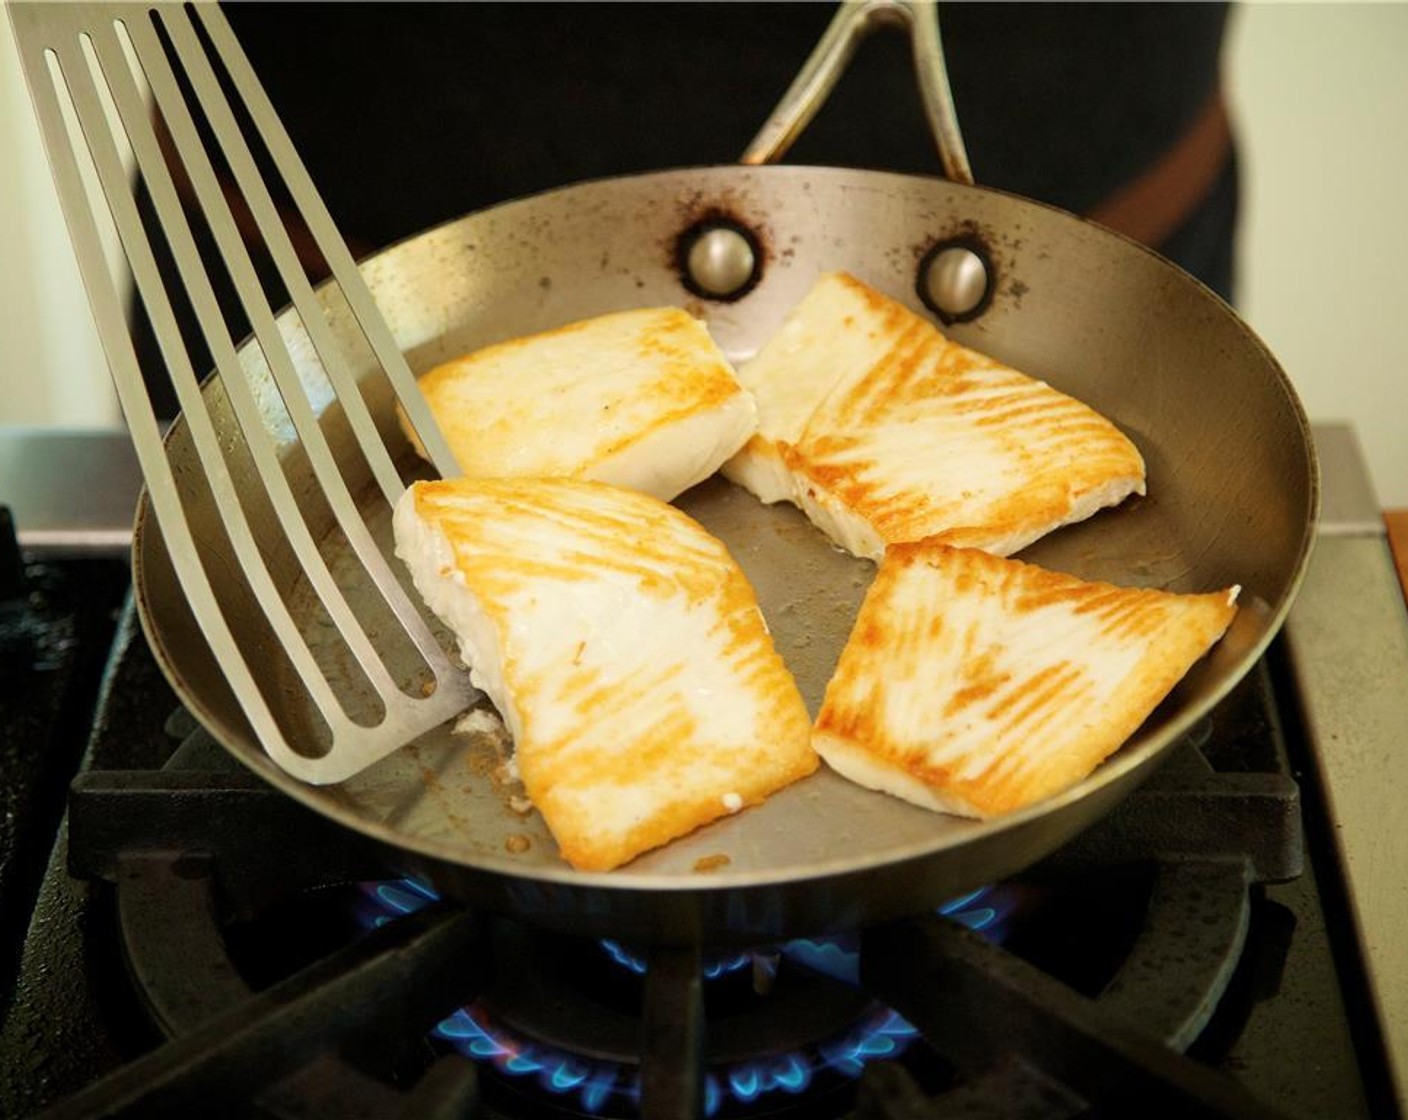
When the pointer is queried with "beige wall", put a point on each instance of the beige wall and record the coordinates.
(51, 368)
(1321, 94)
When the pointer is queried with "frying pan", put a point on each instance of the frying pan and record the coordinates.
(1232, 499)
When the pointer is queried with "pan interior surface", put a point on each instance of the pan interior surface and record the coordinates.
(1231, 476)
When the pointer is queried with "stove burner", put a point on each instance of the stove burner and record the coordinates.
(251, 968)
(600, 1084)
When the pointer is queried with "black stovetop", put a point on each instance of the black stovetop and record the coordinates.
(1131, 935)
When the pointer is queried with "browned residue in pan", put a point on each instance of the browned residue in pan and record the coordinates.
(712, 863)
(488, 754)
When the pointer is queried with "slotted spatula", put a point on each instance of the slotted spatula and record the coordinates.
(101, 76)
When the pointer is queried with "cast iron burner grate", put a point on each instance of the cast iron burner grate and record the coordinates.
(344, 1036)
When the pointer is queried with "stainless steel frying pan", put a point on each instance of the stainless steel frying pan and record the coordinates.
(1232, 499)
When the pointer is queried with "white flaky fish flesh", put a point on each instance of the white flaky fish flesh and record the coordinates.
(976, 685)
(642, 399)
(883, 430)
(622, 645)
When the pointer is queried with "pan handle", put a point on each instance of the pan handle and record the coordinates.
(853, 22)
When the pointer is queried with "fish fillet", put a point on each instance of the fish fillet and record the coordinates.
(624, 649)
(976, 685)
(882, 430)
(642, 399)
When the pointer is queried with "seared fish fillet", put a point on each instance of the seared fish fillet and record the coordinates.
(624, 649)
(977, 685)
(883, 430)
(641, 399)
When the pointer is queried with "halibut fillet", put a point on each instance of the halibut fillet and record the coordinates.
(624, 649)
(642, 399)
(882, 430)
(977, 685)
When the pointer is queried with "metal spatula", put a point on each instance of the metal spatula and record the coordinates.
(91, 69)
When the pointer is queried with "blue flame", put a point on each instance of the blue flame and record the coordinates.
(883, 1034)
(470, 1032)
(990, 918)
(790, 1073)
(390, 899)
(598, 1090)
(713, 1095)
(833, 957)
(712, 969)
(406, 896)
(624, 957)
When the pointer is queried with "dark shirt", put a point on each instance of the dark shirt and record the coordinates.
(409, 115)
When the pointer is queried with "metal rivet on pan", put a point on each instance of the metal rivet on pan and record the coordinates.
(720, 261)
(954, 281)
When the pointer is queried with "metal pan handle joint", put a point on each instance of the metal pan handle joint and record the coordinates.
(853, 22)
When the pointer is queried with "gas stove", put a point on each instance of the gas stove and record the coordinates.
(180, 939)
